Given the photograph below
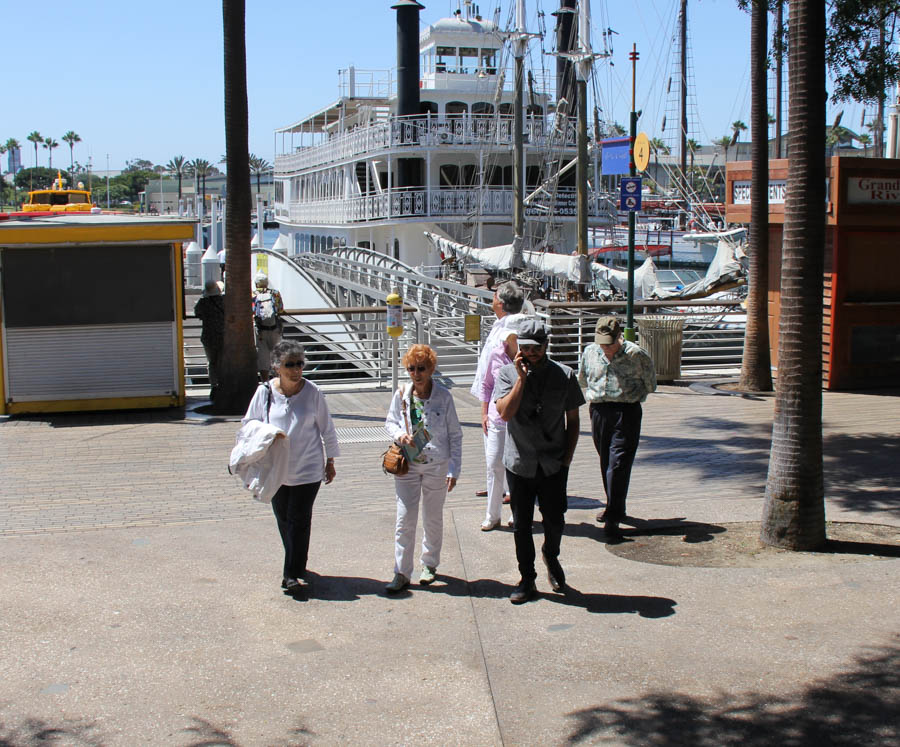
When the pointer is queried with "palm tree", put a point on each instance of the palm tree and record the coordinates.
(692, 147)
(202, 168)
(794, 509)
(12, 145)
(723, 142)
(737, 127)
(865, 140)
(3, 149)
(239, 359)
(50, 144)
(177, 166)
(34, 137)
(756, 365)
(71, 138)
(259, 166)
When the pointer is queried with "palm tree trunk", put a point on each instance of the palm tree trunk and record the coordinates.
(756, 371)
(239, 377)
(794, 509)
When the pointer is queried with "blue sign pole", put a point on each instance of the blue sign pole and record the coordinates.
(633, 186)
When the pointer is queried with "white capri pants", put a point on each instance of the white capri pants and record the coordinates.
(494, 440)
(428, 483)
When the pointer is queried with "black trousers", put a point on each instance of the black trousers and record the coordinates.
(550, 491)
(293, 505)
(616, 429)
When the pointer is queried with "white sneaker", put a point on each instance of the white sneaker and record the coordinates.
(427, 575)
(399, 583)
(487, 526)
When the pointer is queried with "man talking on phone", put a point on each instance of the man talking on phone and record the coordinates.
(539, 400)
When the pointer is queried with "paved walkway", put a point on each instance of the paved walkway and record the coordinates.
(139, 598)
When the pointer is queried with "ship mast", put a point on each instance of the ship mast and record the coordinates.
(520, 46)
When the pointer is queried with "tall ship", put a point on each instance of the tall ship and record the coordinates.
(430, 147)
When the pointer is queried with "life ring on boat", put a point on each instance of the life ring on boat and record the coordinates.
(692, 224)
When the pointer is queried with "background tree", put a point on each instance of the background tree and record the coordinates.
(202, 169)
(258, 167)
(71, 137)
(3, 149)
(239, 360)
(862, 54)
(35, 178)
(50, 144)
(177, 166)
(737, 128)
(756, 364)
(865, 140)
(723, 142)
(658, 146)
(794, 508)
(35, 137)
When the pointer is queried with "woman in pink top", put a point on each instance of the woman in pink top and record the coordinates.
(495, 429)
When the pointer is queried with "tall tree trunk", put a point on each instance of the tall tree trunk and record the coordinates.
(794, 509)
(239, 360)
(756, 370)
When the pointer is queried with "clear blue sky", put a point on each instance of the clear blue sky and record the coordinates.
(144, 80)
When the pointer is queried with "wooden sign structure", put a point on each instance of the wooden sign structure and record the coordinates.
(861, 283)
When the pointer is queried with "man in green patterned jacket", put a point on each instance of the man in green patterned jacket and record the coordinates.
(617, 375)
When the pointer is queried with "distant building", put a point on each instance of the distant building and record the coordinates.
(14, 161)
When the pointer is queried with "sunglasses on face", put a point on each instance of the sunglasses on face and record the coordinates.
(529, 348)
(420, 369)
(293, 364)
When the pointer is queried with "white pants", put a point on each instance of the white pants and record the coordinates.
(427, 482)
(494, 440)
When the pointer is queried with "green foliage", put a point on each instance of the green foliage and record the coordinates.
(861, 48)
(138, 164)
(42, 176)
(132, 182)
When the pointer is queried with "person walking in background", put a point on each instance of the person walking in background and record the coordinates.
(267, 311)
(539, 400)
(422, 419)
(617, 375)
(507, 305)
(494, 428)
(298, 407)
(210, 310)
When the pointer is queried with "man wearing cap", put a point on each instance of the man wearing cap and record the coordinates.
(617, 375)
(539, 400)
(267, 310)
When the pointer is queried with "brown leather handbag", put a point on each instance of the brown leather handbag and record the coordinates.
(394, 461)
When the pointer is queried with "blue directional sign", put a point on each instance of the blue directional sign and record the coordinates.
(631, 194)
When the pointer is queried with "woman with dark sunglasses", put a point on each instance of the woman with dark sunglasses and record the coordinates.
(298, 407)
(422, 419)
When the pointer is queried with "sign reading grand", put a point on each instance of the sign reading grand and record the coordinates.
(873, 190)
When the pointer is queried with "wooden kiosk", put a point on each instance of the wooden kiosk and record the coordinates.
(91, 310)
(861, 286)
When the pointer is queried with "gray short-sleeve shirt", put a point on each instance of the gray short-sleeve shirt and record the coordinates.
(537, 432)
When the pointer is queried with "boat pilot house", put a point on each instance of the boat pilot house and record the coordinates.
(861, 284)
(91, 313)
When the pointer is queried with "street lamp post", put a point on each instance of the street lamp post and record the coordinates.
(107, 181)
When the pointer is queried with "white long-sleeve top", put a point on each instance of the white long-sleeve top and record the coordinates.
(441, 422)
(305, 418)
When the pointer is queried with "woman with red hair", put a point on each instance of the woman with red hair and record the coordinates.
(422, 419)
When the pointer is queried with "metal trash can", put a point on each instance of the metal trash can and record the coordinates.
(661, 337)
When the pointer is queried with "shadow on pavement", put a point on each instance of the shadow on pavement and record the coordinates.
(692, 531)
(861, 472)
(35, 731)
(851, 708)
(206, 734)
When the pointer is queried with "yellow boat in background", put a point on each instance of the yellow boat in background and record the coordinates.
(57, 199)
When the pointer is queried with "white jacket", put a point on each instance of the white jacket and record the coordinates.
(260, 458)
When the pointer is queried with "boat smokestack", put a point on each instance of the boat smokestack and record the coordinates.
(407, 79)
(407, 56)
(566, 33)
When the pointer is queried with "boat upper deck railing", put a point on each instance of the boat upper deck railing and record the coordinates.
(429, 130)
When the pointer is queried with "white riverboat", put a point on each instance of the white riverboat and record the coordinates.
(428, 147)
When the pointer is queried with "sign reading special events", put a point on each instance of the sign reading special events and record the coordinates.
(873, 190)
(740, 192)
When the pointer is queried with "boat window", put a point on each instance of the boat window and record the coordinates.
(449, 175)
(41, 199)
(489, 61)
(456, 108)
(469, 175)
(505, 108)
(428, 107)
(532, 176)
(534, 109)
(493, 176)
(482, 107)
(446, 60)
(468, 59)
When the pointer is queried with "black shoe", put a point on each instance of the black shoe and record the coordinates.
(556, 576)
(601, 517)
(294, 585)
(523, 592)
(612, 531)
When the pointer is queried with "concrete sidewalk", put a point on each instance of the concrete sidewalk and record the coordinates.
(140, 600)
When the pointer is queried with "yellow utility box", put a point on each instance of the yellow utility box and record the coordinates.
(91, 310)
